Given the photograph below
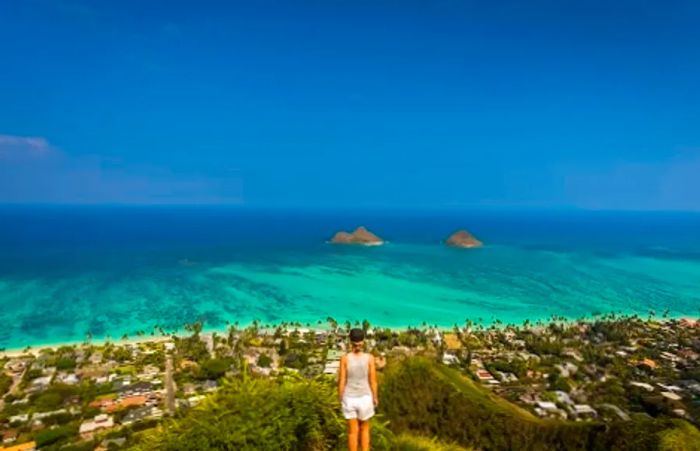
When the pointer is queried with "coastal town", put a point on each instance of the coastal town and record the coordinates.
(101, 396)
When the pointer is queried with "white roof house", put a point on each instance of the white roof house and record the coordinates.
(643, 385)
(101, 421)
(672, 396)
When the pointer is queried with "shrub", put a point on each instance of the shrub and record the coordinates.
(214, 368)
(256, 414)
(54, 435)
(264, 361)
(5, 383)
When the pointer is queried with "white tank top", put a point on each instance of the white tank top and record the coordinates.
(357, 383)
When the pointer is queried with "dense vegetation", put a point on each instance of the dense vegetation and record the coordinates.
(418, 399)
(254, 414)
(434, 400)
(263, 413)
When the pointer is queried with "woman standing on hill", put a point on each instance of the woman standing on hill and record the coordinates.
(357, 389)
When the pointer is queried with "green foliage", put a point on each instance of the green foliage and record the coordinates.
(5, 383)
(543, 346)
(33, 373)
(420, 396)
(81, 446)
(48, 401)
(296, 360)
(54, 435)
(214, 368)
(406, 442)
(257, 414)
(65, 363)
(53, 397)
(264, 361)
(559, 383)
(683, 437)
(192, 348)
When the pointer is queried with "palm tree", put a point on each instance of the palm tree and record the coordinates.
(365, 325)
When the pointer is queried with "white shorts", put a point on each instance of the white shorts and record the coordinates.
(358, 407)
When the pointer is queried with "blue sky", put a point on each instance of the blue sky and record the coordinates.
(351, 103)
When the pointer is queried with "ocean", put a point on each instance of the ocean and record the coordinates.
(66, 272)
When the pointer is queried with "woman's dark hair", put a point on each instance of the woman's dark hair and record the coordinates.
(357, 335)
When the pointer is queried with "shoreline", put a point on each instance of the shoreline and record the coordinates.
(37, 349)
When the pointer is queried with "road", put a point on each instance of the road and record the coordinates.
(169, 385)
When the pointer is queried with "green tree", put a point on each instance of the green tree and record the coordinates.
(214, 368)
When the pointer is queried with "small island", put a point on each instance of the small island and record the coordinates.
(361, 236)
(463, 239)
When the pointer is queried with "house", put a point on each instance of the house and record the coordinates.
(673, 388)
(121, 384)
(670, 357)
(68, 379)
(42, 415)
(549, 409)
(649, 363)
(449, 359)
(574, 354)
(616, 410)
(644, 385)
(149, 372)
(567, 369)
(508, 377)
(210, 385)
(89, 428)
(194, 400)
(129, 401)
(21, 418)
(95, 358)
(486, 377)
(670, 395)
(546, 406)
(40, 383)
(585, 411)
(680, 412)
(140, 414)
(9, 436)
(563, 397)
(331, 367)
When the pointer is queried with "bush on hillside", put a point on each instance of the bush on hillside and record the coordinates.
(254, 414)
(422, 397)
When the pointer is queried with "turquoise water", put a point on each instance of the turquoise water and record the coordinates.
(65, 272)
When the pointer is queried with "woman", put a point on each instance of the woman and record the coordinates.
(357, 389)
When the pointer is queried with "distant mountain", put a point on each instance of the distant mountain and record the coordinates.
(360, 236)
(462, 238)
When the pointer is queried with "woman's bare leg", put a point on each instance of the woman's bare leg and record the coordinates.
(364, 435)
(353, 435)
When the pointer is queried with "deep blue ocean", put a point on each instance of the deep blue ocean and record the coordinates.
(108, 271)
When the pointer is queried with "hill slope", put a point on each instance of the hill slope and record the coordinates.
(423, 402)
(433, 400)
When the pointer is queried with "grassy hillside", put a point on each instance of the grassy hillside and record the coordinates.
(421, 403)
(255, 414)
(422, 397)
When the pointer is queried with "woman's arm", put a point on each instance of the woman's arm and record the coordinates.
(373, 380)
(342, 376)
